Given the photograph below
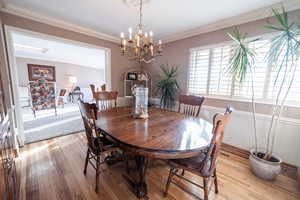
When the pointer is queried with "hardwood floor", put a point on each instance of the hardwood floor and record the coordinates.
(53, 169)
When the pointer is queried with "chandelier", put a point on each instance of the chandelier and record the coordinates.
(140, 46)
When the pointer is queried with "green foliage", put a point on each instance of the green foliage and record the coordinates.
(285, 43)
(243, 57)
(168, 86)
(283, 55)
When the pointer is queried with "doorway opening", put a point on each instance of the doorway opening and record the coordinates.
(49, 76)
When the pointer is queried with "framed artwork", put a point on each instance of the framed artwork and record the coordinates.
(36, 72)
(131, 76)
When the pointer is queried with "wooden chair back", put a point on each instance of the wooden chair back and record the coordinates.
(62, 92)
(106, 100)
(190, 105)
(93, 88)
(220, 121)
(103, 87)
(89, 116)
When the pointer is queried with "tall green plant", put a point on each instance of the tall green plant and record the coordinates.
(283, 55)
(241, 63)
(168, 86)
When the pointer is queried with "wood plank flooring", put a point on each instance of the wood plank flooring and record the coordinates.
(52, 169)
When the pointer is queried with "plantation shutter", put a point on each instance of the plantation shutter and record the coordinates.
(294, 94)
(198, 72)
(220, 80)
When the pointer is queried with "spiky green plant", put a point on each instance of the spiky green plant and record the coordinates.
(168, 86)
(241, 63)
(283, 54)
(243, 57)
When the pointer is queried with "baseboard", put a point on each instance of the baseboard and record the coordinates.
(287, 169)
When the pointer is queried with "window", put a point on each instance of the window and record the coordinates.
(208, 74)
(198, 71)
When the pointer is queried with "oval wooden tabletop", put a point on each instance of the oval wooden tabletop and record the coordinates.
(165, 134)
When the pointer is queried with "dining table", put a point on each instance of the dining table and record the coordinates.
(163, 135)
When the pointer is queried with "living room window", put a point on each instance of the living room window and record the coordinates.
(208, 74)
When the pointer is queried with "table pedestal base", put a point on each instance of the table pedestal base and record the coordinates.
(137, 182)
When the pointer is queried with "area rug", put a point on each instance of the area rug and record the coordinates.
(53, 126)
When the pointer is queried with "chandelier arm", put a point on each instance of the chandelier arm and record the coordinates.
(147, 61)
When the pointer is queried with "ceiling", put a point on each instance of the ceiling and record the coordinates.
(164, 17)
(28, 46)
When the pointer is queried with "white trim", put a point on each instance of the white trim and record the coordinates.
(108, 69)
(11, 9)
(14, 80)
(258, 14)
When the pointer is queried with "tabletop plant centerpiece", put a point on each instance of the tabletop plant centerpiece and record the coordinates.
(168, 86)
(283, 56)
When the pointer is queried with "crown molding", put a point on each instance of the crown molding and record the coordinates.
(8, 8)
(261, 13)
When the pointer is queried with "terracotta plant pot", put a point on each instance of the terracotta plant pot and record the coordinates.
(267, 170)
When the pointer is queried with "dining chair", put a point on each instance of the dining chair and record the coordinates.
(61, 97)
(190, 105)
(203, 165)
(103, 87)
(98, 146)
(93, 88)
(106, 100)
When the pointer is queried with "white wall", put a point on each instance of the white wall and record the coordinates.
(85, 75)
(239, 132)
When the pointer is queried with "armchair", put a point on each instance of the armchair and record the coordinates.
(42, 95)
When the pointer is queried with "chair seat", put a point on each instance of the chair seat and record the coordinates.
(192, 164)
(107, 144)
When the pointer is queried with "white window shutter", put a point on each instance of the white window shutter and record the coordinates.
(220, 78)
(198, 72)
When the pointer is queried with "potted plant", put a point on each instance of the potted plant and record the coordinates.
(168, 86)
(283, 55)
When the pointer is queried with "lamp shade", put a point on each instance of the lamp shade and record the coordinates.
(73, 79)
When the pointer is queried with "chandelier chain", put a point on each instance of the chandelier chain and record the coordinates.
(141, 6)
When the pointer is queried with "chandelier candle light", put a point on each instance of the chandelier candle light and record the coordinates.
(140, 47)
